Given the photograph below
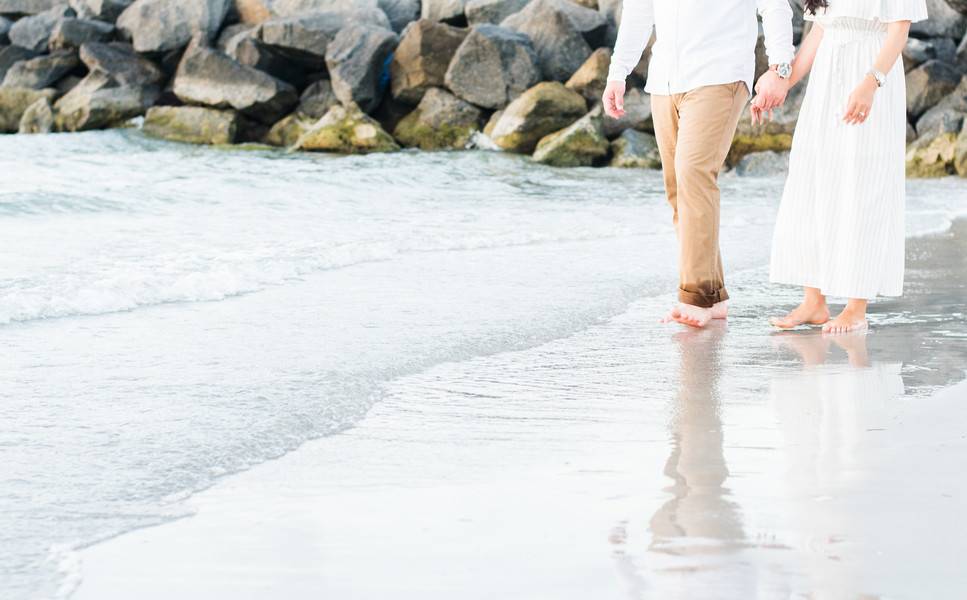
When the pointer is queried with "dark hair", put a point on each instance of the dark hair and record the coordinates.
(812, 6)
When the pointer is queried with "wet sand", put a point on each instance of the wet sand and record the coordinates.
(741, 464)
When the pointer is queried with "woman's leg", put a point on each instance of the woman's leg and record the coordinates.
(853, 318)
(812, 311)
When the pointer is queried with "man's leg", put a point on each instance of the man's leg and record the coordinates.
(664, 114)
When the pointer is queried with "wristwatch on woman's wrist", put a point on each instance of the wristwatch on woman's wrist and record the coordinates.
(878, 77)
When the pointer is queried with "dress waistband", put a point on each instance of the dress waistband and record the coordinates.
(848, 29)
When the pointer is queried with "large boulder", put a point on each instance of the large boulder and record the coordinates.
(163, 25)
(493, 66)
(192, 124)
(580, 144)
(29, 7)
(208, 77)
(99, 102)
(304, 39)
(560, 47)
(34, 32)
(944, 21)
(15, 101)
(545, 108)
(71, 33)
(41, 72)
(254, 12)
(287, 132)
(763, 164)
(928, 83)
(347, 130)
(946, 115)
(916, 52)
(635, 150)
(317, 99)
(441, 120)
(592, 77)
(120, 61)
(421, 60)
(38, 118)
(932, 154)
(11, 55)
(400, 12)
(637, 115)
(492, 11)
(592, 24)
(358, 62)
(102, 10)
(246, 49)
(450, 11)
(5, 25)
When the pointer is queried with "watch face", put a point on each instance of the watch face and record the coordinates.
(784, 71)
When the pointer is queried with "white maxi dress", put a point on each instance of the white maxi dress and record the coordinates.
(840, 226)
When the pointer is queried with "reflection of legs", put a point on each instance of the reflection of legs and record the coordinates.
(812, 348)
(812, 311)
(855, 347)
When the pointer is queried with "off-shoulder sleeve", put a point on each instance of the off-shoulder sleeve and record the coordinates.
(902, 10)
(884, 11)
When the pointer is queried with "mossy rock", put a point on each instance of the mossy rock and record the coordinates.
(346, 130)
(286, 132)
(635, 150)
(932, 156)
(960, 154)
(192, 124)
(543, 109)
(38, 118)
(747, 144)
(14, 102)
(441, 121)
(581, 144)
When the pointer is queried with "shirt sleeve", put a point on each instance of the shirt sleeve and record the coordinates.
(637, 20)
(777, 25)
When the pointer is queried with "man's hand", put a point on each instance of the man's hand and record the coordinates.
(614, 99)
(772, 90)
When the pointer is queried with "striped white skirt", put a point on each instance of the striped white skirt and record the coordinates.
(840, 226)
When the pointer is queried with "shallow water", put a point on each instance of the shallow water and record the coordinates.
(171, 314)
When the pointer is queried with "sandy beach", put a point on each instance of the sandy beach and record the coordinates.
(730, 463)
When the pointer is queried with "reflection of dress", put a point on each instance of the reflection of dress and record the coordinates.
(840, 227)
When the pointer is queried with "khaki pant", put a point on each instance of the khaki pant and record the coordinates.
(694, 132)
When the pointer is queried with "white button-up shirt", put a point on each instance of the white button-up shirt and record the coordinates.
(700, 42)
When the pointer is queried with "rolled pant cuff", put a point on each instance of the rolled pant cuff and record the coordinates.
(702, 300)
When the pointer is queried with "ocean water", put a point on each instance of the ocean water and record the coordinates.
(171, 314)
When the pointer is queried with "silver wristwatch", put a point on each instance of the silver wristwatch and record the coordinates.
(880, 78)
(784, 70)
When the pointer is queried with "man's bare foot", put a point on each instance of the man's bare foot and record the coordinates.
(847, 321)
(807, 313)
(720, 310)
(687, 314)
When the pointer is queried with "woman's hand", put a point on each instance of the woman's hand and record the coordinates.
(614, 99)
(759, 111)
(860, 102)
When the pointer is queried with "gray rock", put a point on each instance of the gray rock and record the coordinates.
(580, 144)
(492, 11)
(66, 84)
(34, 32)
(637, 115)
(450, 11)
(358, 62)
(543, 109)
(304, 38)
(103, 10)
(560, 47)
(440, 121)
(635, 150)
(592, 77)
(210, 78)
(422, 57)
(961, 56)
(231, 34)
(11, 55)
(5, 25)
(14, 102)
(120, 61)
(348, 130)
(944, 21)
(162, 25)
(958, 5)
(763, 164)
(29, 7)
(916, 52)
(41, 72)
(254, 12)
(38, 118)
(287, 132)
(249, 51)
(928, 83)
(591, 23)
(71, 33)
(99, 102)
(611, 11)
(946, 115)
(493, 66)
(192, 124)
(317, 99)
(400, 12)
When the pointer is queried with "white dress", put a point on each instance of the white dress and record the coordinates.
(840, 226)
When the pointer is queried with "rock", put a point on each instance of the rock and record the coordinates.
(560, 46)
(38, 118)
(611, 11)
(66, 84)
(763, 164)
(492, 122)
(245, 49)
(775, 135)
(911, 134)
(14, 102)
(422, 57)
(578, 145)
(592, 77)
(492, 11)
(945, 49)
(635, 149)
(961, 55)
(29, 7)
(958, 5)
(545, 108)
(102, 10)
(121, 62)
(944, 21)
(11, 55)
(99, 101)
(960, 154)
(162, 25)
(192, 124)
(358, 61)
(304, 38)
(210, 78)
(231, 35)
(946, 115)
(348, 130)
(287, 132)
(34, 32)
(916, 52)
(71, 33)
(400, 12)
(932, 155)
(590, 23)
(449, 11)
(317, 99)
(5, 25)
(493, 66)
(637, 115)
(41, 72)
(441, 120)
(928, 83)
(254, 12)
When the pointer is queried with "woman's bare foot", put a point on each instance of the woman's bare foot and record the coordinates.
(847, 321)
(693, 316)
(807, 313)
